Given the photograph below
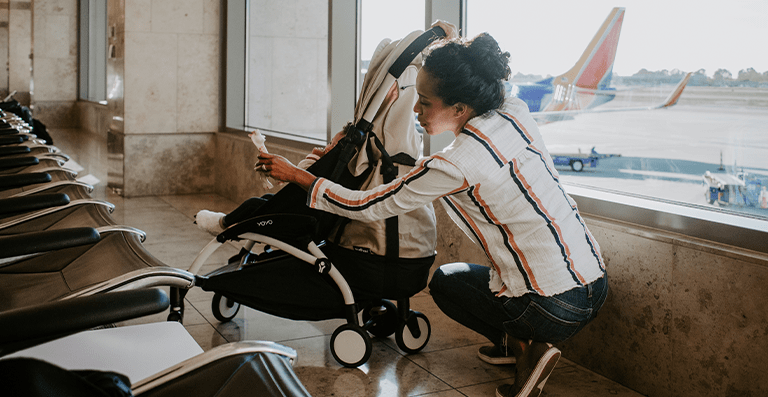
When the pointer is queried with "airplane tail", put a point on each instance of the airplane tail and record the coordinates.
(594, 68)
(674, 96)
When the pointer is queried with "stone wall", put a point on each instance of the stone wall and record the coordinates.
(683, 317)
(166, 102)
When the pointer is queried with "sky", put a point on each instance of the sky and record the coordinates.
(546, 37)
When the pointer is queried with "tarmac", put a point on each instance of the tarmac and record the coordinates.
(665, 152)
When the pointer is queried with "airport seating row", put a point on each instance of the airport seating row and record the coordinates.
(66, 266)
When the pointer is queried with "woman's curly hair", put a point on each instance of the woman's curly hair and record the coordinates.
(471, 72)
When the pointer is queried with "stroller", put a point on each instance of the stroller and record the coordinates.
(293, 232)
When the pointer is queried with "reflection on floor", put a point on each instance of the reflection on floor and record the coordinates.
(448, 366)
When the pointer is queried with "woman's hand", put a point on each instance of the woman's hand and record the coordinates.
(450, 29)
(278, 167)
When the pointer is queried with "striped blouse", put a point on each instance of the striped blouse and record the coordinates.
(499, 185)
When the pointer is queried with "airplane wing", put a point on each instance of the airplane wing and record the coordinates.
(674, 96)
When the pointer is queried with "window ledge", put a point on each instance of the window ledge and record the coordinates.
(288, 141)
(719, 226)
(90, 102)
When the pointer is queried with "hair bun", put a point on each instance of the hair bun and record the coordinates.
(469, 71)
(484, 54)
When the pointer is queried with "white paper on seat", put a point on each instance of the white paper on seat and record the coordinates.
(136, 351)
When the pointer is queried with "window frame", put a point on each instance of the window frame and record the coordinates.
(713, 225)
(718, 226)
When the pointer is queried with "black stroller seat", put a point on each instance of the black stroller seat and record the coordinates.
(351, 345)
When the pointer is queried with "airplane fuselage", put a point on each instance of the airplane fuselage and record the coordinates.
(545, 95)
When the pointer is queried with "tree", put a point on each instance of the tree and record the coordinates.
(750, 74)
(722, 74)
(699, 78)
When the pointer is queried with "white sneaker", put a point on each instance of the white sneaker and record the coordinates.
(210, 221)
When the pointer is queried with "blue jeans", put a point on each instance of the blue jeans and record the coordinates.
(461, 291)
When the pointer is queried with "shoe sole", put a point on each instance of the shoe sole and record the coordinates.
(497, 360)
(535, 382)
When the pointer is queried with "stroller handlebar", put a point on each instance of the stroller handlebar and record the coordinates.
(415, 48)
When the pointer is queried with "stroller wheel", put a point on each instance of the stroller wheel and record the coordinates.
(382, 316)
(413, 334)
(224, 309)
(351, 346)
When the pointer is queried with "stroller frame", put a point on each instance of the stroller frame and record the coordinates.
(351, 343)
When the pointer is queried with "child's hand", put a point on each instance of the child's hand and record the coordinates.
(280, 168)
(258, 140)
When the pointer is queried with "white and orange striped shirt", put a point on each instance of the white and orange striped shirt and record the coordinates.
(499, 185)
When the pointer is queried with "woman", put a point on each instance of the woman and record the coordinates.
(498, 183)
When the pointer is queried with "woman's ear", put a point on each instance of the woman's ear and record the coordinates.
(461, 110)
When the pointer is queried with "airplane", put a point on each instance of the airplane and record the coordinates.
(587, 84)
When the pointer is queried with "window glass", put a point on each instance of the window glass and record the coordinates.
(287, 67)
(709, 150)
(93, 50)
(387, 20)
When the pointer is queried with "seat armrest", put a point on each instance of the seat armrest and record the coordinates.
(12, 150)
(11, 139)
(48, 240)
(14, 162)
(17, 205)
(24, 179)
(29, 326)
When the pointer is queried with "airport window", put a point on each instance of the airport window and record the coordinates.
(377, 25)
(287, 63)
(648, 166)
(708, 151)
(287, 68)
(93, 50)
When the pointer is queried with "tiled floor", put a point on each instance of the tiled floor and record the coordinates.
(447, 366)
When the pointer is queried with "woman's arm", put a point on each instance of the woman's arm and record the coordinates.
(426, 182)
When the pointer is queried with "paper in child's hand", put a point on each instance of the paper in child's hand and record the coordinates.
(258, 140)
